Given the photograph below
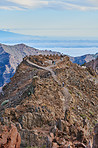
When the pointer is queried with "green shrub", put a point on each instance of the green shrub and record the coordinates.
(73, 108)
(91, 113)
(70, 91)
(83, 116)
(4, 102)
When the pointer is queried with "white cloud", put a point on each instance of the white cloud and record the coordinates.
(78, 7)
(10, 8)
(52, 4)
(30, 3)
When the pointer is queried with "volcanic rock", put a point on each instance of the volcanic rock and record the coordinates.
(9, 137)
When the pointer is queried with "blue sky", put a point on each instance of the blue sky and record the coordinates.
(69, 18)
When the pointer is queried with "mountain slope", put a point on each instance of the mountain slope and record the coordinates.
(51, 103)
(83, 59)
(93, 64)
(10, 58)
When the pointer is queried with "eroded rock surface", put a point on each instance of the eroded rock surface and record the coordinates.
(9, 137)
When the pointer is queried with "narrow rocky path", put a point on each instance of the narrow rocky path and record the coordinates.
(48, 68)
(65, 91)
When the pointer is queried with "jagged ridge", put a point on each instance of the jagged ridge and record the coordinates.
(12, 56)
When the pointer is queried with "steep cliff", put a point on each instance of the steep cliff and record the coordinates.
(93, 65)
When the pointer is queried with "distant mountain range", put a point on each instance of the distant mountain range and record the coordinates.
(4, 34)
(83, 59)
(67, 45)
(13, 38)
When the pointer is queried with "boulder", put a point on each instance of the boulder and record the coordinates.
(9, 137)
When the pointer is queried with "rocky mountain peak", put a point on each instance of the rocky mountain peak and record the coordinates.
(53, 102)
(12, 56)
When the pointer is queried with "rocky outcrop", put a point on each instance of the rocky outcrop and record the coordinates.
(95, 138)
(93, 65)
(9, 137)
(12, 56)
(69, 136)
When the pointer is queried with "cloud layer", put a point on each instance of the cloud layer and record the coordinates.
(52, 4)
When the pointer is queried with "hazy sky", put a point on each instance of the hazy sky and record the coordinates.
(50, 17)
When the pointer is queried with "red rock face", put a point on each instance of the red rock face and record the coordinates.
(9, 137)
